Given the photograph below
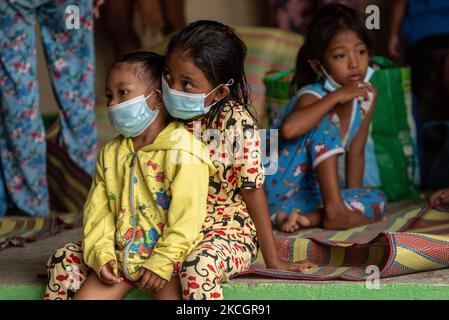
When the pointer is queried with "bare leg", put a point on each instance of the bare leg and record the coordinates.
(95, 289)
(174, 13)
(118, 17)
(337, 215)
(172, 291)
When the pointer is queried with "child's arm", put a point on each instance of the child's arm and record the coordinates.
(99, 226)
(250, 178)
(256, 202)
(310, 109)
(355, 160)
(185, 217)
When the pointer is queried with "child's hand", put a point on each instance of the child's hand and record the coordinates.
(301, 266)
(107, 273)
(353, 90)
(440, 197)
(149, 281)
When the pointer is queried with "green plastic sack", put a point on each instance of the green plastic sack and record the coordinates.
(393, 130)
(390, 155)
(277, 84)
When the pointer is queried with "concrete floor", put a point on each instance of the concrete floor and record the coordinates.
(23, 272)
(23, 265)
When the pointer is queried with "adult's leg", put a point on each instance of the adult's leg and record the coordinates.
(429, 60)
(118, 16)
(70, 59)
(174, 14)
(22, 133)
(4, 198)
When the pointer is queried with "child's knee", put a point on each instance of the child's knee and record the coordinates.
(201, 266)
(71, 251)
(198, 275)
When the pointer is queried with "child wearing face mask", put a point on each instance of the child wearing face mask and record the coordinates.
(325, 119)
(204, 84)
(144, 211)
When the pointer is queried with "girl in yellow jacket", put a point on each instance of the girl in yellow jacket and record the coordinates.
(144, 211)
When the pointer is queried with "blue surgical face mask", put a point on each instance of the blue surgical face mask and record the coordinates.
(132, 117)
(331, 85)
(184, 105)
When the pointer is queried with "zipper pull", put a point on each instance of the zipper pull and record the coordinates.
(133, 160)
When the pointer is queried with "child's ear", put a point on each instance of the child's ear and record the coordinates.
(222, 93)
(158, 101)
(315, 65)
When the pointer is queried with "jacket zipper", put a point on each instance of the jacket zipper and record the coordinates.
(131, 201)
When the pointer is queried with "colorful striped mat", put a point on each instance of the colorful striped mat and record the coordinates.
(407, 242)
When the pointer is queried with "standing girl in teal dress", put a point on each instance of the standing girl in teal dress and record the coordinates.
(323, 120)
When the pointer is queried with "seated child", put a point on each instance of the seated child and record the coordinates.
(326, 119)
(144, 211)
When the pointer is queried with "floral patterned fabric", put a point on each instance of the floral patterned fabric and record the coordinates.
(70, 59)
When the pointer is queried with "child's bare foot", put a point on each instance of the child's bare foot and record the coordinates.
(292, 222)
(341, 218)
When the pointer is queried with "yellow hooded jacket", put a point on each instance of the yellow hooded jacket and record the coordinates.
(146, 208)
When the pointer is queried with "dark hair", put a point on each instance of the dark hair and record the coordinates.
(146, 65)
(220, 54)
(329, 21)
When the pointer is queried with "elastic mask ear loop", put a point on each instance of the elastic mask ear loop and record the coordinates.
(148, 96)
(228, 84)
(323, 70)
